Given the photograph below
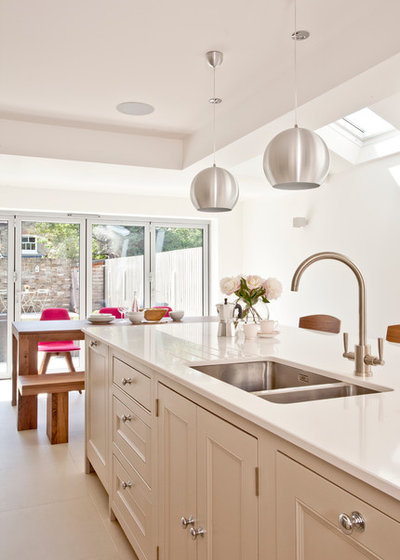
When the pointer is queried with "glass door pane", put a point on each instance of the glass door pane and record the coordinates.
(4, 298)
(178, 267)
(118, 265)
(49, 268)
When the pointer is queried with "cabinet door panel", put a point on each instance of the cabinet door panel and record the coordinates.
(227, 504)
(97, 395)
(308, 507)
(177, 468)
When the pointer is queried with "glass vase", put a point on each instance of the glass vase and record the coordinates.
(255, 313)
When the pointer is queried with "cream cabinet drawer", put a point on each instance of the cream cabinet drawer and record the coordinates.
(308, 509)
(133, 382)
(132, 436)
(131, 503)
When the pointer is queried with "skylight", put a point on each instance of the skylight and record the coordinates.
(365, 124)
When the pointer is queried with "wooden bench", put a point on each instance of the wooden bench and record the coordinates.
(57, 387)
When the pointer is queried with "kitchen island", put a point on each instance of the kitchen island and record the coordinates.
(301, 464)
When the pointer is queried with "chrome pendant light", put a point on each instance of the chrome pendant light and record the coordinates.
(297, 158)
(214, 189)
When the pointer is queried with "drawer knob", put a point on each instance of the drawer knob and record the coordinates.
(126, 484)
(185, 522)
(126, 380)
(349, 522)
(126, 418)
(197, 532)
(93, 343)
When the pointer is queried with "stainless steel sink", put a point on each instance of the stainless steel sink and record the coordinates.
(280, 383)
(261, 376)
(314, 393)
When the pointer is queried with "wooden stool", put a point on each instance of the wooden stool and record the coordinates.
(326, 323)
(57, 385)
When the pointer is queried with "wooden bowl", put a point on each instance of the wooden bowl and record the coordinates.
(154, 314)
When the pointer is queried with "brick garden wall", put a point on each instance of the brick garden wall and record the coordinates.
(54, 275)
(59, 277)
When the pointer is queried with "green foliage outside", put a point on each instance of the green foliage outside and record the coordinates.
(179, 238)
(61, 241)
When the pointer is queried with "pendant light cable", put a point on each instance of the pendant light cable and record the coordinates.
(214, 127)
(295, 64)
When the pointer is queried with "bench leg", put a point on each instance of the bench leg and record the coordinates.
(57, 417)
(27, 412)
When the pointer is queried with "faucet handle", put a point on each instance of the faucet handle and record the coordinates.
(380, 352)
(346, 353)
(346, 342)
(373, 360)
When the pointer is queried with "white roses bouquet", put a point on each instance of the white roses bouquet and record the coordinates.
(250, 290)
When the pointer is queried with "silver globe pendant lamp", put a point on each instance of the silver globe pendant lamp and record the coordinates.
(214, 189)
(297, 158)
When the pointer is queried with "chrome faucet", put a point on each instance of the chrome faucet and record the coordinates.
(361, 354)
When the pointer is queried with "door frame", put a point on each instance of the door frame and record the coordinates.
(9, 220)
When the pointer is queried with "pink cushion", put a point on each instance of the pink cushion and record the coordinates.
(163, 307)
(57, 346)
(113, 310)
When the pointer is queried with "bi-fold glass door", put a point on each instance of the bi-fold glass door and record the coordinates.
(164, 264)
(179, 269)
(83, 264)
(118, 264)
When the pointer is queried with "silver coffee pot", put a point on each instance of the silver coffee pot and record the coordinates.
(226, 313)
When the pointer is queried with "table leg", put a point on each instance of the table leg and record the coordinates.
(14, 370)
(27, 361)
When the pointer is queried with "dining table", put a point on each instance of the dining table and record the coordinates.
(27, 334)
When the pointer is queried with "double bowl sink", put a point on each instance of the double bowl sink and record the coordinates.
(281, 383)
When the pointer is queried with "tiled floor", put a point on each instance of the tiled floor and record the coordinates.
(49, 508)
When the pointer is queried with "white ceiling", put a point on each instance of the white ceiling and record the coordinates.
(64, 67)
(75, 61)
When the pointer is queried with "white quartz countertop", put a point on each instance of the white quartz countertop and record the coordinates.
(359, 434)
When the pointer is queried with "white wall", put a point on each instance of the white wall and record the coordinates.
(225, 230)
(357, 212)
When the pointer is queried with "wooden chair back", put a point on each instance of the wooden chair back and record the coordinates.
(326, 323)
(393, 333)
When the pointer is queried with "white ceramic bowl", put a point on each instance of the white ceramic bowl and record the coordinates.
(135, 316)
(176, 315)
